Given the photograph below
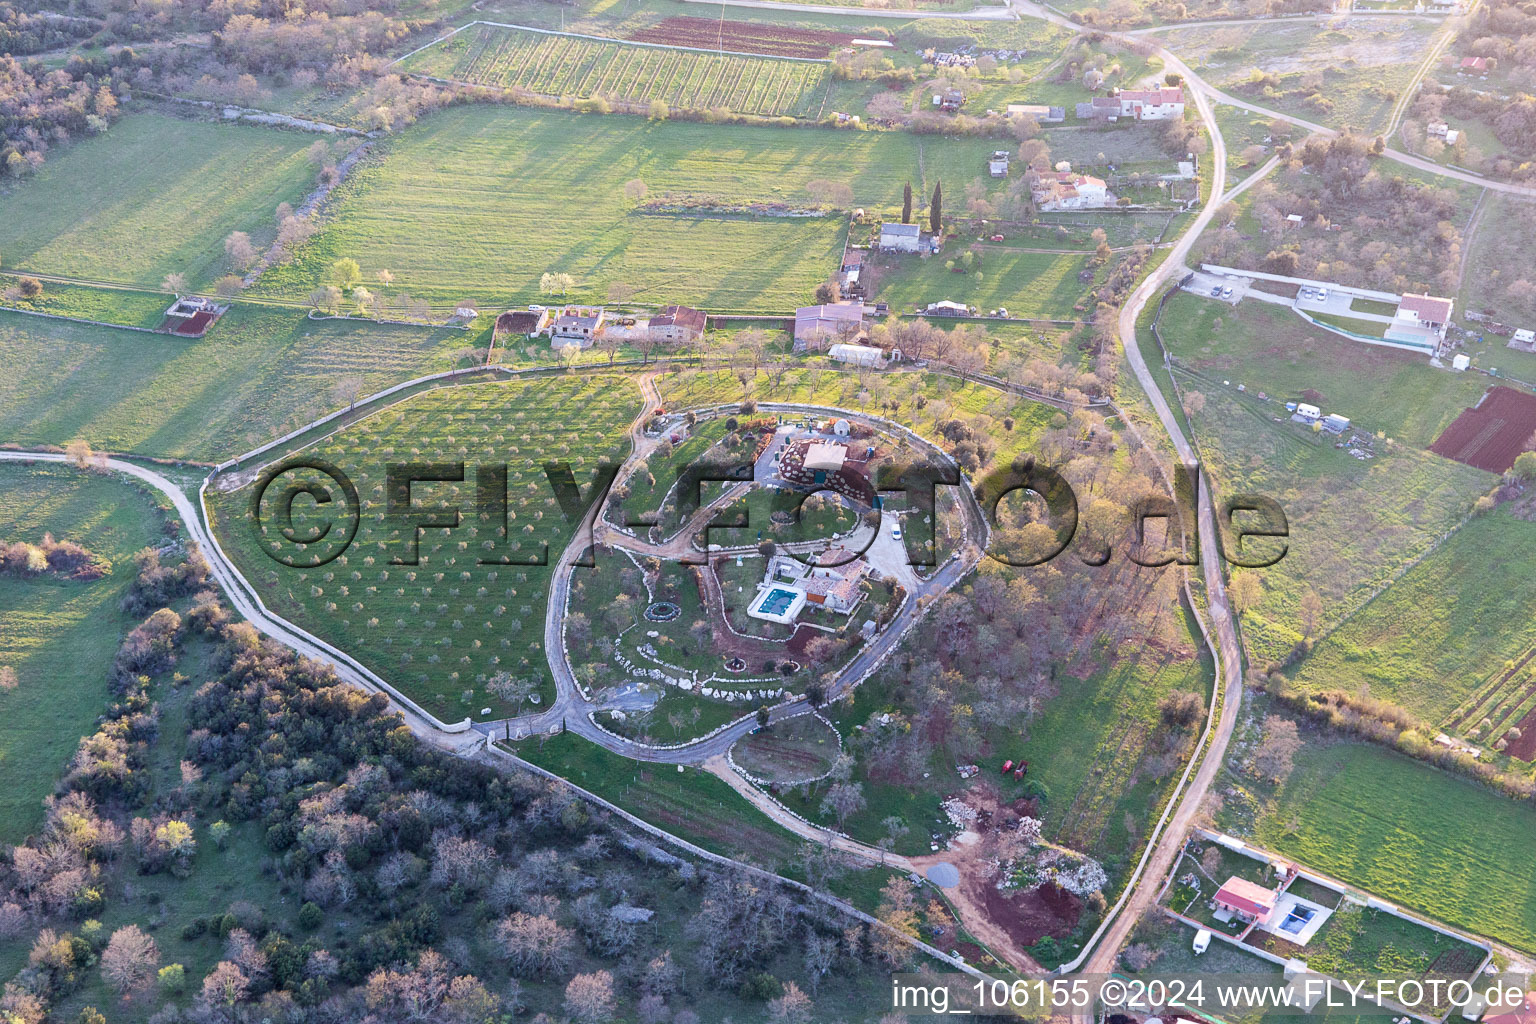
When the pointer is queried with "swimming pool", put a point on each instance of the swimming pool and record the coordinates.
(776, 601)
(1297, 919)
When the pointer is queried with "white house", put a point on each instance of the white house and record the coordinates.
(900, 237)
(1151, 104)
(1066, 190)
(997, 166)
(857, 355)
(1420, 322)
(577, 325)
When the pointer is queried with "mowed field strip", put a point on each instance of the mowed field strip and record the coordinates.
(555, 64)
(151, 196)
(479, 202)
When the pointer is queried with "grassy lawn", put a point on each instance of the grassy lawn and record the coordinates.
(1357, 69)
(1341, 547)
(1028, 284)
(1419, 837)
(1411, 645)
(1269, 348)
(481, 201)
(257, 374)
(152, 196)
(109, 305)
(801, 748)
(691, 804)
(440, 629)
(1372, 328)
(59, 634)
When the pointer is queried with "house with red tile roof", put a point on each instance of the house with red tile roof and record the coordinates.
(677, 324)
(1249, 901)
(1525, 1014)
(1151, 104)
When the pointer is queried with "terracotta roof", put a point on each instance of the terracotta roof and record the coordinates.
(1245, 896)
(679, 316)
(1427, 308)
(1174, 95)
(1524, 1015)
(197, 323)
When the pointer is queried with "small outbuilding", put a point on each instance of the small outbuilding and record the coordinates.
(857, 355)
(900, 237)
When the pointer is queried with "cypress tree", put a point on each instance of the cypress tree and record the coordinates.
(936, 207)
(906, 204)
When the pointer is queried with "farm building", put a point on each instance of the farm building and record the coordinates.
(1245, 900)
(946, 307)
(1151, 104)
(949, 101)
(577, 325)
(677, 324)
(532, 321)
(1473, 66)
(1039, 111)
(1100, 108)
(814, 325)
(900, 237)
(191, 317)
(1064, 190)
(997, 166)
(857, 355)
(1420, 321)
(817, 463)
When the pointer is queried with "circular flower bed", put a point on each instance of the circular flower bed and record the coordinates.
(663, 611)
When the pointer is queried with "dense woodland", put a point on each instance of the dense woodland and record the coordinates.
(426, 887)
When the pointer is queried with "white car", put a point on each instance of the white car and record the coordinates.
(896, 531)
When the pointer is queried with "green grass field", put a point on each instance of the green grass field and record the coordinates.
(1027, 284)
(1404, 831)
(1444, 629)
(1270, 349)
(108, 305)
(555, 65)
(58, 634)
(439, 630)
(152, 196)
(1341, 546)
(257, 374)
(482, 201)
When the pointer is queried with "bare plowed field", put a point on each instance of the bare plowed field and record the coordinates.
(743, 37)
(1490, 434)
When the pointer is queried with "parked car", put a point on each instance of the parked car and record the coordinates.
(1226, 293)
(896, 531)
(1216, 292)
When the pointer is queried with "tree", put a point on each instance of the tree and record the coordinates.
(828, 292)
(1245, 591)
(79, 453)
(936, 208)
(173, 979)
(348, 388)
(346, 274)
(906, 203)
(762, 717)
(175, 283)
(238, 247)
(793, 1007)
(1525, 465)
(536, 945)
(842, 800)
(130, 959)
(229, 286)
(635, 190)
(659, 111)
(326, 299)
(1277, 751)
(589, 997)
(31, 287)
(1310, 612)
(219, 833)
(555, 283)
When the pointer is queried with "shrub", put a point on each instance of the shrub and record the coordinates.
(311, 916)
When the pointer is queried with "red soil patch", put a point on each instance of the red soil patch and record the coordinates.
(744, 37)
(1490, 434)
(1525, 747)
(1027, 919)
